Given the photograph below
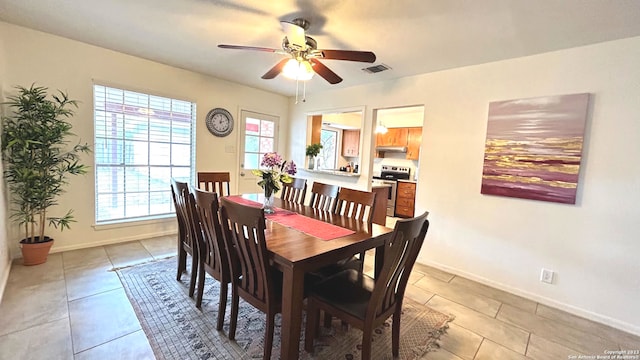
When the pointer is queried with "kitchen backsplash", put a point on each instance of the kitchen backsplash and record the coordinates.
(411, 164)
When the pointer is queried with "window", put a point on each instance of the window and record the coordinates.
(259, 139)
(329, 151)
(141, 142)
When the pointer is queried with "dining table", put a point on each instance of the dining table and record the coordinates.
(301, 239)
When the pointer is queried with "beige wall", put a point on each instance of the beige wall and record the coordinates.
(59, 63)
(593, 246)
(4, 245)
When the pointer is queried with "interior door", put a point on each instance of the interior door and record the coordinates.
(258, 136)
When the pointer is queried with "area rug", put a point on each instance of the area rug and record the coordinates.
(176, 329)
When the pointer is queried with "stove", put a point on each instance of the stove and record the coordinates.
(389, 175)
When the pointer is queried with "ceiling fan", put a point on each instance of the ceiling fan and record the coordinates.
(304, 54)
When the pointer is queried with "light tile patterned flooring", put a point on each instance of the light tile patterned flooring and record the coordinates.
(74, 307)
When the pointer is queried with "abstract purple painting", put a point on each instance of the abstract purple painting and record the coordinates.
(534, 147)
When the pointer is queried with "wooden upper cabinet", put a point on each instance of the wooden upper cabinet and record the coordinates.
(351, 143)
(414, 139)
(393, 137)
(316, 129)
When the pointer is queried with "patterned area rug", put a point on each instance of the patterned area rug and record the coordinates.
(176, 329)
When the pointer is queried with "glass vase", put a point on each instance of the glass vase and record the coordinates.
(267, 206)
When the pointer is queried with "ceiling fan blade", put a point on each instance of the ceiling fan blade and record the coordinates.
(274, 71)
(240, 47)
(325, 72)
(350, 55)
(295, 34)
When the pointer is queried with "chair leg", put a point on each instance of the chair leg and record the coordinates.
(234, 313)
(182, 261)
(311, 327)
(395, 333)
(327, 320)
(268, 336)
(366, 343)
(194, 274)
(202, 274)
(222, 306)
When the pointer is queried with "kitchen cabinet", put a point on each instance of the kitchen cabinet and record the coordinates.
(393, 137)
(411, 137)
(405, 199)
(414, 139)
(316, 129)
(351, 143)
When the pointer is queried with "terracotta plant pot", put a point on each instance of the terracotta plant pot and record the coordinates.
(37, 252)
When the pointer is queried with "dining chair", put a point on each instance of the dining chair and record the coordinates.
(358, 205)
(217, 182)
(364, 302)
(252, 278)
(294, 191)
(205, 217)
(323, 196)
(186, 241)
(355, 204)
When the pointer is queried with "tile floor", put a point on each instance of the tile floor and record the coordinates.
(74, 307)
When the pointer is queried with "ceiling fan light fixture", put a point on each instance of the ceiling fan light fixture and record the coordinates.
(381, 129)
(298, 70)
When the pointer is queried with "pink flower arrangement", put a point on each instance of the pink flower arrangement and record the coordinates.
(278, 171)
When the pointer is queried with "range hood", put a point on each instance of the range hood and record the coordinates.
(398, 149)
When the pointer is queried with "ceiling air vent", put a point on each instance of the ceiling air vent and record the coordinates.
(376, 69)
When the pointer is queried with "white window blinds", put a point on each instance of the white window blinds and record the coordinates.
(141, 142)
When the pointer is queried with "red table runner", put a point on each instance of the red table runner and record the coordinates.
(307, 225)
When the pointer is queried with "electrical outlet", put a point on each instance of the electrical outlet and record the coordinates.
(546, 276)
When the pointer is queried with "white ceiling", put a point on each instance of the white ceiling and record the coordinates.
(410, 36)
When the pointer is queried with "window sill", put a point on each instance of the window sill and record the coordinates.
(129, 223)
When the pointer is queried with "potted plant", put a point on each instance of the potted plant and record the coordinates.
(38, 161)
(312, 151)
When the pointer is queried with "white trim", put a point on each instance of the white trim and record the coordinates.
(56, 249)
(602, 319)
(5, 280)
(129, 223)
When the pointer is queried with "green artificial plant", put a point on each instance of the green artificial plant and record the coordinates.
(38, 159)
(313, 150)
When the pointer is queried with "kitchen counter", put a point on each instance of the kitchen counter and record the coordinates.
(332, 172)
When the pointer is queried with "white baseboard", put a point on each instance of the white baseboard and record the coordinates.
(602, 319)
(4, 280)
(56, 249)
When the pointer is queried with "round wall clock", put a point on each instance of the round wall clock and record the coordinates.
(219, 122)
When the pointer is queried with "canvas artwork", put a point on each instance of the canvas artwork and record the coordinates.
(534, 146)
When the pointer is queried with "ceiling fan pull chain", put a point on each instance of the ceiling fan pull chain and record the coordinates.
(297, 82)
(304, 91)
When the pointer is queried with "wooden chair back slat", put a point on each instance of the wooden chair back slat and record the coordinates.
(400, 254)
(179, 191)
(295, 191)
(355, 204)
(244, 227)
(206, 210)
(324, 196)
(186, 238)
(217, 182)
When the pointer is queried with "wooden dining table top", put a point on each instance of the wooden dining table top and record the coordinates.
(291, 245)
(295, 252)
